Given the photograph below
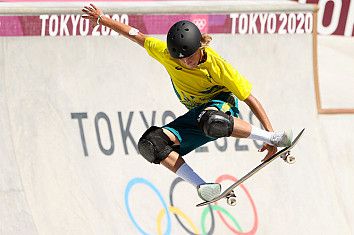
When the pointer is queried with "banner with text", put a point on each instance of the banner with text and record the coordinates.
(334, 17)
(236, 23)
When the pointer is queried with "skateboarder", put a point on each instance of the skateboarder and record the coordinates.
(210, 89)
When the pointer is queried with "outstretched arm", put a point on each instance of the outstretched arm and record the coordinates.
(260, 113)
(96, 16)
(258, 110)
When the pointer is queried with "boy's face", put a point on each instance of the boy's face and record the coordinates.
(191, 61)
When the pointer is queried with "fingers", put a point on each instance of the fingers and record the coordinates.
(266, 157)
(88, 14)
(264, 147)
(88, 9)
(93, 6)
(269, 155)
(92, 12)
(271, 151)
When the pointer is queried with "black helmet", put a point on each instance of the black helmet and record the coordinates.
(183, 39)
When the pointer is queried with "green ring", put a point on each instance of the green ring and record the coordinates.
(222, 210)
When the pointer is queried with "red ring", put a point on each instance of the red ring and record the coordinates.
(255, 224)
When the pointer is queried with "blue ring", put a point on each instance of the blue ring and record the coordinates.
(150, 185)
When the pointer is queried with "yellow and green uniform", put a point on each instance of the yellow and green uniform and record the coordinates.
(212, 83)
(200, 85)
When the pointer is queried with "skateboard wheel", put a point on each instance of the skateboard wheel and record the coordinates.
(285, 155)
(290, 159)
(231, 201)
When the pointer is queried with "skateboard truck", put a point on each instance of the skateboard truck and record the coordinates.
(288, 158)
(229, 192)
(231, 199)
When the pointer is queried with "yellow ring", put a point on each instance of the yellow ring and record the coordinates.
(175, 211)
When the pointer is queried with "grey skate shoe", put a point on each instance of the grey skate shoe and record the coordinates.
(282, 139)
(209, 191)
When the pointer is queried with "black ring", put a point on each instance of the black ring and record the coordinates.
(173, 185)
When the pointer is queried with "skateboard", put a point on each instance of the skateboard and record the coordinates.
(229, 192)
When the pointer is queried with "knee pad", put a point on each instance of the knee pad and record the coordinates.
(215, 123)
(155, 145)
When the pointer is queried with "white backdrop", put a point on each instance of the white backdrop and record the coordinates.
(73, 109)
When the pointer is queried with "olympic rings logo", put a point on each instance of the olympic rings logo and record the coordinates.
(200, 23)
(180, 216)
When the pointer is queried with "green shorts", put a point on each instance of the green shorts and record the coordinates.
(185, 127)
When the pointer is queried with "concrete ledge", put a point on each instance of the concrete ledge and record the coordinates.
(171, 7)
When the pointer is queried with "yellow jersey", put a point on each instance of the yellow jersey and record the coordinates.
(197, 86)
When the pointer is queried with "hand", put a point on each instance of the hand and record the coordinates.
(92, 13)
(271, 151)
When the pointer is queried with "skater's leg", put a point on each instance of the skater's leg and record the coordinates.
(156, 146)
(176, 164)
(217, 124)
(243, 129)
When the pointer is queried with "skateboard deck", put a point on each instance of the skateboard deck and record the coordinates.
(228, 193)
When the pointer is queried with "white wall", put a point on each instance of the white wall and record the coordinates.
(49, 84)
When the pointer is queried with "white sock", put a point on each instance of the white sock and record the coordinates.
(261, 135)
(188, 174)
